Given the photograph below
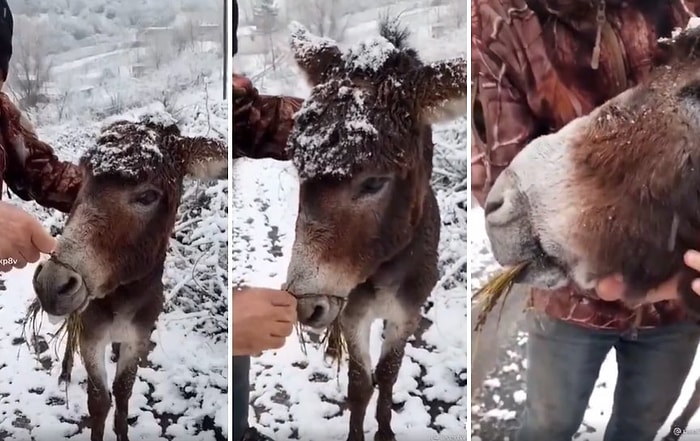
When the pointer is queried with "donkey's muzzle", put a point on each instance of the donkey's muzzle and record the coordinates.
(318, 311)
(60, 290)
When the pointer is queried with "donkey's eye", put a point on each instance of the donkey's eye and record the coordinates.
(147, 197)
(372, 185)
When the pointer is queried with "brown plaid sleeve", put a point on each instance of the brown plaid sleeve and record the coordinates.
(34, 172)
(502, 123)
(261, 123)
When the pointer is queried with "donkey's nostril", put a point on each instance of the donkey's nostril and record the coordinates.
(493, 205)
(319, 310)
(38, 269)
(70, 286)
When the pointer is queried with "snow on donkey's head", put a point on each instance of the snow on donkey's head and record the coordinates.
(362, 145)
(615, 191)
(118, 230)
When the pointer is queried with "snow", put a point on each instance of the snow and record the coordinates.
(333, 146)
(33, 403)
(300, 397)
(306, 43)
(125, 148)
(128, 144)
(495, 414)
(182, 393)
(369, 55)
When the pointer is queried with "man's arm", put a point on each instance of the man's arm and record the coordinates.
(261, 123)
(34, 172)
(502, 123)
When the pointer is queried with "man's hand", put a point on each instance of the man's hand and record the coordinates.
(23, 238)
(262, 319)
(613, 288)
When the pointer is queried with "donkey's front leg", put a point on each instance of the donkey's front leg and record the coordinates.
(356, 333)
(396, 334)
(93, 350)
(129, 355)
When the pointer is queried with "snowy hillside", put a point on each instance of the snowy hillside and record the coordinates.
(297, 396)
(495, 414)
(82, 24)
(182, 394)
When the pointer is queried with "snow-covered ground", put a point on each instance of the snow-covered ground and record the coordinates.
(495, 414)
(182, 393)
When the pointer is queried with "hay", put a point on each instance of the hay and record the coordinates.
(495, 290)
(332, 340)
(69, 330)
(334, 343)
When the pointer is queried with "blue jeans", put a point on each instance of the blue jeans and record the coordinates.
(241, 396)
(564, 361)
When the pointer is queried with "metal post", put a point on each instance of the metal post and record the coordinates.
(225, 18)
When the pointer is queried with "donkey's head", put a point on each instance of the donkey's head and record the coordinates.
(362, 146)
(614, 191)
(118, 230)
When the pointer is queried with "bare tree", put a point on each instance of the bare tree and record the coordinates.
(61, 103)
(186, 34)
(160, 51)
(266, 14)
(31, 63)
(326, 18)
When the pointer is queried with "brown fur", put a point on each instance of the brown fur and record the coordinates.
(366, 123)
(636, 169)
(128, 242)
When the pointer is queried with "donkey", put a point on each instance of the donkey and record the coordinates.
(615, 191)
(368, 222)
(108, 264)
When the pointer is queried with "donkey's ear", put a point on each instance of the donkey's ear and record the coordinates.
(315, 56)
(441, 90)
(204, 158)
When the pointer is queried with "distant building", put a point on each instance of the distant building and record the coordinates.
(138, 70)
(159, 36)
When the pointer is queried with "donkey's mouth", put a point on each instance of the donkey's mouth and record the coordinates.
(318, 311)
(543, 270)
(58, 318)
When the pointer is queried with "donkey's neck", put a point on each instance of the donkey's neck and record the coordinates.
(133, 295)
(420, 253)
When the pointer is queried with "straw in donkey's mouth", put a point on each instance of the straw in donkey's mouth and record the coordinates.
(496, 289)
(332, 339)
(70, 328)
